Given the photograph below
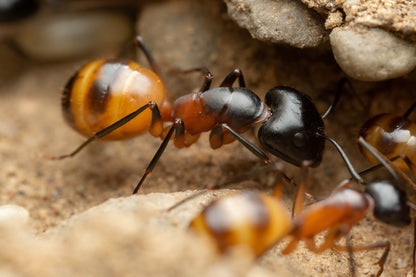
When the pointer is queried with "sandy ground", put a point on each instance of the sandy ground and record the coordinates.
(52, 191)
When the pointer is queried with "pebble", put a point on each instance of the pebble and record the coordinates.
(63, 36)
(372, 54)
(13, 214)
(287, 22)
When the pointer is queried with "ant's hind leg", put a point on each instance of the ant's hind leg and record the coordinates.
(205, 72)
(156, 128)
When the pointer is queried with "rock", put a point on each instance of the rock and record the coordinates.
(287, 22)
(371, 54)
(13, 214)
(394, 15)
(61, 36)
(207, 38)
(132, 236)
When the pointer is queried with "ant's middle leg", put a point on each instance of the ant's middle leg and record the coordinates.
(217, 135)
(230, 79)
(139, 42)
(177, 127)
(156, 128)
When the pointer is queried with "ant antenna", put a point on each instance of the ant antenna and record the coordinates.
(341, 85)
(350, 168)
(410, 110)
(378, 156)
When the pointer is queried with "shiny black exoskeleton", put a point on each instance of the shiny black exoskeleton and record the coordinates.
(389, 203)
(291, 132)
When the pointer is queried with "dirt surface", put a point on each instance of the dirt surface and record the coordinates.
(53, 191)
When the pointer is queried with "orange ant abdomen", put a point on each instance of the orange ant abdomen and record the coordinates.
(392, 135)
(254, 220)
(103, 91)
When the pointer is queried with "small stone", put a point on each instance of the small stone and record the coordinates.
(371, 54)
(335, 19)
(285, 21)
(13, 214)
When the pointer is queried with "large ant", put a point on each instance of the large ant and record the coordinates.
(104, 91)
(262, 221)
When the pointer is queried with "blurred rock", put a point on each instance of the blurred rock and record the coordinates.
(11, 64)
(60, 36)
(288, 22)
(371, 54)
(199, 34)
(133, 236)
(13, 214)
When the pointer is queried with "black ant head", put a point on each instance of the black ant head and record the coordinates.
(291, 131)
(389, 203)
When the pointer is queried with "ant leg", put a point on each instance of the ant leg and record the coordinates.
(291, 246)
(278, 190)
(139, 42)
(156, 128)
(217, 134)
(216, 137)
(207, 81)
(410, 164)
(368, 170)
(382, 159)
(300, 191)
(350, 248)
(178, 127)
(381, 244)
(230, 79)
(344, 184)
(410, 110)
(347, 162)
(207, 74)
(329, 240)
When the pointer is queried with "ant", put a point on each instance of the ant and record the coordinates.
(394, 136)
(104, 91)
(262, 220)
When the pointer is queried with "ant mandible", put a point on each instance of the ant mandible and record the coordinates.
(104, 91)
(262, 221)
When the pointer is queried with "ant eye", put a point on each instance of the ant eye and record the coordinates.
(299, 139)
